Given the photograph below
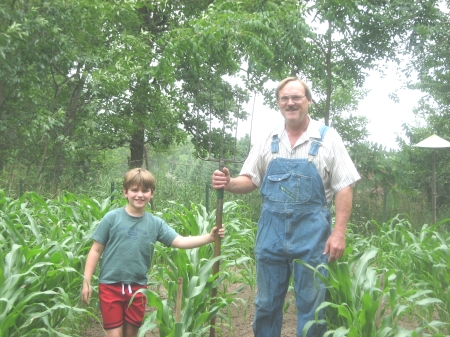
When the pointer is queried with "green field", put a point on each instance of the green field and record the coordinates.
(390, 272)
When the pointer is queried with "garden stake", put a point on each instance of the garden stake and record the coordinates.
(178, 323)
(220, 193)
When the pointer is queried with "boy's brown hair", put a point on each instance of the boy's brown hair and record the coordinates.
(139, 177)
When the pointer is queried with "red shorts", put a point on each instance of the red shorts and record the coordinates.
(115, 307)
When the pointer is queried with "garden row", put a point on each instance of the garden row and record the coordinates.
(394, 273)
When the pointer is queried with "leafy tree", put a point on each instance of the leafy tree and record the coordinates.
(78, 78)
(330, 43)
(430, 63)
(49, 74)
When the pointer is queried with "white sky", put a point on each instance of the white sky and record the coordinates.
(385, 116)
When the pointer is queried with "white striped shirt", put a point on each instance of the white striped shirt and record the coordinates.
(332, 161)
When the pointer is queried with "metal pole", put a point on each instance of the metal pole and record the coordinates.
(207, 197)
(433, 199)
(21, 187)
(217, 240)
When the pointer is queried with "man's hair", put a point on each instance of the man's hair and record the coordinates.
(290, 79)
(138, 177)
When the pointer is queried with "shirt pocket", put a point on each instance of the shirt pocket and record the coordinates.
(288, 187)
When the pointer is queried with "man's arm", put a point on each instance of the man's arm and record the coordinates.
(239, 185)
(335, 244)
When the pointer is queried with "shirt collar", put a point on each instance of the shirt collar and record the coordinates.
(312, 131)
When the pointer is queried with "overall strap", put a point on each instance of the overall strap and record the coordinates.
(315, 144)
(274, 146)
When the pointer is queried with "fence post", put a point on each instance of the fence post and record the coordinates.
(21, 187)
(207, 197)
(112, 191)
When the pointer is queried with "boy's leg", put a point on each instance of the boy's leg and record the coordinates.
(130, 330)
(112, 307)
(133, 313)
(117, 332)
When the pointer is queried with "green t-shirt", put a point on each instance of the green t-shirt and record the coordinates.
(129, 245)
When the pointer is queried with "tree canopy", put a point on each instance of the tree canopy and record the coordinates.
(81, 78)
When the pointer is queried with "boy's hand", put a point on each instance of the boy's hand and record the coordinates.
(86, 292)
(221, 232)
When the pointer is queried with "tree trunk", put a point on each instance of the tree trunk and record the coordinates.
(137, 148)
(71, 120)
(329, 77)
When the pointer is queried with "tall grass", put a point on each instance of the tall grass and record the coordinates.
(194, 267)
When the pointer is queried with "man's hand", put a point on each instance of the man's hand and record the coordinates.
(335, 246)
(220, 178)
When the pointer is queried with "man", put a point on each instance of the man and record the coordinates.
(298, 167)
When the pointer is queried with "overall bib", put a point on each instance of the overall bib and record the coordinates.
(295, 223)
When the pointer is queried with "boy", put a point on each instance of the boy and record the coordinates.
(126, 238)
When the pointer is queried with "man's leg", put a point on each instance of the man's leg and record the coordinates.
(310, 294)
(272, 283)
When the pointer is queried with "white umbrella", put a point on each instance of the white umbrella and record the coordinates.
(433, 142)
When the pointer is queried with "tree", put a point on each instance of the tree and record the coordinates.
(330, 43)
(82, 77)
(53, 53)
(430, 63)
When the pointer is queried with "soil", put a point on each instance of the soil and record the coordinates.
(242, 318)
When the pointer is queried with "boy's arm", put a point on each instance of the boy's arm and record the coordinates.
(91, 263)
(187, 242)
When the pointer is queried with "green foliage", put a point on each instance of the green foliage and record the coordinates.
(194, 266)
(393, 273)
(83, 77)
(44, 244)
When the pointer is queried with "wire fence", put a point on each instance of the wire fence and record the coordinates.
(187, 185)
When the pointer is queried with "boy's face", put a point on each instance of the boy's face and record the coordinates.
(138, 197)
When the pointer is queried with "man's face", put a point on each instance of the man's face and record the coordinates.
(293, 103)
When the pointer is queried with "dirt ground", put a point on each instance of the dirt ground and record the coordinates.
(242, 319)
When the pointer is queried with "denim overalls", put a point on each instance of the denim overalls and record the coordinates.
(295, 223)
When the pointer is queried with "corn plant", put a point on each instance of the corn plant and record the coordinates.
(423, 257)
(393, 274)
(44, 243)
(194, 267)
